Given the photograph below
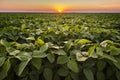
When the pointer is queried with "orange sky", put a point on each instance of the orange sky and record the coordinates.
(66, 5)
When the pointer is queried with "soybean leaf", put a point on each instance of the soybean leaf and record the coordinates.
(62, 59)
(63, 72)
(51, 58)
(36, 62)
(34, 75)
(2, 60)
(99, 51)
(22, 66)
(89, 74)
(72, 65)
(47, 74)
(88, 64)
(67, 46)
(100, 76)
(74, 76)
(40, 42)
(118, 75)
(117, 64)
(82, 41)
(3, 51)
(38, 54)
(23, 27)
(114, 50)
(30, 38)
(23, 56)
(12, 51)
(101, 65)
(91, 50)
(109, 57)
(80, 57)
(5, 69)
(94, 55)
(56, 77)
(68, 78)
(43, 48)
(5, 43)
(60, 52)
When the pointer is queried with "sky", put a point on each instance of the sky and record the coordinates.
(64, 5)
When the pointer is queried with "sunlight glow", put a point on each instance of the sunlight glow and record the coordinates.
(59, 10)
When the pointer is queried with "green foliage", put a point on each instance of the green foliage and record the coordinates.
(63, 72)
(72, 65)
(22, 66)
(2, 60)
(47, 74)
(101, 65)
(62, 59)
(60, 52)
(89, 74)
(59, 47)
(5, 68)
(37, 63)
(100, 76)
(51, 58)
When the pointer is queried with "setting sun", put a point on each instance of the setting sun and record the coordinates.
(59, 10)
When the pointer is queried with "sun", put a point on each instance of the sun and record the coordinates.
(59, 10)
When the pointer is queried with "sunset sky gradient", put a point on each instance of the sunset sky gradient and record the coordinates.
(65, 5)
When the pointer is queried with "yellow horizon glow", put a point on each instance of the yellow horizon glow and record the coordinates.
(59, 10)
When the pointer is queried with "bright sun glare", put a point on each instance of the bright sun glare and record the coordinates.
(59, 10)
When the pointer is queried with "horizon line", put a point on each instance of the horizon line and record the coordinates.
(58, 12)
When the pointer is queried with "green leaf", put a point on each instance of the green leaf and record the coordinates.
(89, 74)
(38, 54)
(40, 42)
(12, 51)
(43, 48)
(23, 27)
(5, 43)
(3, 52)
(30, 38)
(51, 58)
(94, 55)
(68, 78)
(99, 51)
(74, 76)
(33, 75)
(72, 65)
(2, 60)
(118, 75)
(5, 69)
(37, 63)
(22, 46)
(47, 74)
(23, 56)
(101, 65)
(62, 72)
(60, 52)
(117, 64)
(67, 46)
(80, 57)
(91, 50)
(56, 77)
(100, 76)
(82, 41)
(114, 50)
(88, 64)
(106, 56)
(62, 59)
(22, 66)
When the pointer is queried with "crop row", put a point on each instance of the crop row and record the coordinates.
(59, 47)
